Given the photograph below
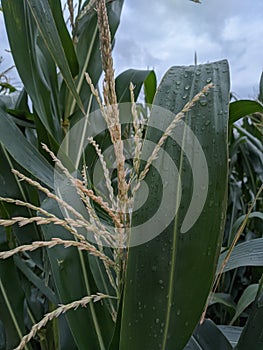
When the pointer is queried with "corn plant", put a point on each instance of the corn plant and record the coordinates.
(125, 256)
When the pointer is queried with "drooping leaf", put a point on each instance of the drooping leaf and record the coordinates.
(23, 152)
(242, 108)
(244, 254)
(137, 78)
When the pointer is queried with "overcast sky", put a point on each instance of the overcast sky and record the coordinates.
(161, 33)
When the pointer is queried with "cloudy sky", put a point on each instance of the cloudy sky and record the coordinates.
(161, 33)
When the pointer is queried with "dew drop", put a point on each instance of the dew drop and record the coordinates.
(178, 313)
(203, 101)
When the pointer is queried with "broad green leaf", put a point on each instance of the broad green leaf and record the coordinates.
(168, 278)
(252, 337)
(23, 152)
(244, 254)
(245, 300)
(207, 336)
(138, 78)
(242, 108)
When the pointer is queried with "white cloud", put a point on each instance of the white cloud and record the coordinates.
(242, 43)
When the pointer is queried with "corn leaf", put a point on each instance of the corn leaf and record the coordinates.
(169, 277)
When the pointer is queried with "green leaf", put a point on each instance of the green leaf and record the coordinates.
(222, 298)
(65, 38)
(88, 53)
(92, 327)
(150, 85)
(23, 152)
(11, 303)
(10, 186)
(46, 23)
(207, 336)
(138, 78)
(6, 86)
(239, 221)
(251, 137)
(35, 66)
(231, 333)
(245, 300)
(169, 277)
(89, 56)
(244, 254)
(102, 282)
(2, 337)
(252, 337)
(35, 280)
(242, 108)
